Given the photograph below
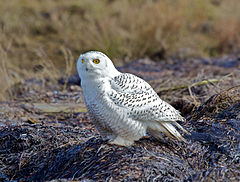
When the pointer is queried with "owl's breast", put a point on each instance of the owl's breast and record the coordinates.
(98, 106)
(109, 116)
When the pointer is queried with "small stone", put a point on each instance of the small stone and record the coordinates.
(49, 94)
(75, 88)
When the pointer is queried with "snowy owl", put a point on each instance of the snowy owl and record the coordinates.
(122, 106)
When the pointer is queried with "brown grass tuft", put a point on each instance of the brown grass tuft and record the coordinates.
(35, 32)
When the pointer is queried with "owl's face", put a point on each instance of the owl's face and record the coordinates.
(95, 65)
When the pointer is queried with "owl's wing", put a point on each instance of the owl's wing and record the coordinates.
(128, 83)
(141, 103)
(140, 100)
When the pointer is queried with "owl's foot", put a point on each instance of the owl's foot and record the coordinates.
(121, 141)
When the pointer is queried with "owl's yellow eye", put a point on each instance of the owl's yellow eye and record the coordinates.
(96, 61)
(82, 60)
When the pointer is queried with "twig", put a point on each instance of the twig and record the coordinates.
(203, 82)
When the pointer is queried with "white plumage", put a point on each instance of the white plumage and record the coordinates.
(122, 106)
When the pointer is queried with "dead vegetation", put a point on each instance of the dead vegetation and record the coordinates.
(66, 146)
(38, 36)
(46, 135)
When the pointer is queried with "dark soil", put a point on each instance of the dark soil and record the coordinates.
(45, 133)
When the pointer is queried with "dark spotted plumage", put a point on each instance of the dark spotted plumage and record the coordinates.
(144, 100)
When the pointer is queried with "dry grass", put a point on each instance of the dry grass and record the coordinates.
(39, 38)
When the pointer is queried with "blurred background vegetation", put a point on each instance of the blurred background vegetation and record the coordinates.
(43, 39)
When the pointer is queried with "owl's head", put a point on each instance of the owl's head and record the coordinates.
(95, 65)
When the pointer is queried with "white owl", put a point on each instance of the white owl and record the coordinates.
(122, 106)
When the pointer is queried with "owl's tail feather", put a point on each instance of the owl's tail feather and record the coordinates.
(180, 127)
(167, 128)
